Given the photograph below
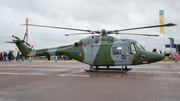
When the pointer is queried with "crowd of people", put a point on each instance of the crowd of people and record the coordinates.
(4, 56)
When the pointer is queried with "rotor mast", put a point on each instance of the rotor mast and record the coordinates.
(103, 32)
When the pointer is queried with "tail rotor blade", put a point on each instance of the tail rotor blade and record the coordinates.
(25, 35)
(29, 45)
(15, 37)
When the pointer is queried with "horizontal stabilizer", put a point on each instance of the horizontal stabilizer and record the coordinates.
(9, 42)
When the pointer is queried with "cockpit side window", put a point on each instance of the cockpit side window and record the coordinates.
(132, 49)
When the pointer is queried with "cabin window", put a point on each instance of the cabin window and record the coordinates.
(117, 50)
(96, 39)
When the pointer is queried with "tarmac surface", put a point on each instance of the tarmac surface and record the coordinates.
(67, 81)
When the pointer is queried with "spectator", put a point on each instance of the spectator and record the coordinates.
(176, 56)
(64, 57)
(18, 56)
(22, 58)
(9, 56)
(0, 56)
(170, 57)
(164, 55)
(3, 56)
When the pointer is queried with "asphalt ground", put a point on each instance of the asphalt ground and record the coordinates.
(67, 81)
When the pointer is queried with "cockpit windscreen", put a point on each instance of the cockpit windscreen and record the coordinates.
(139, 48)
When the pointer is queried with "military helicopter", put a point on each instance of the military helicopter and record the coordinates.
(99, 50)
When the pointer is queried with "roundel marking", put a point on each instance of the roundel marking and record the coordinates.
(77, 51)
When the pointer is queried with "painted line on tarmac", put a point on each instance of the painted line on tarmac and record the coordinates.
(7, 73)
(9, 65)
(42, 74)
(63, 66)
(43, 61)
(55, 66)
(151, 72)
(89, 76)
(68, 74)
(73, 75)
(35, 69)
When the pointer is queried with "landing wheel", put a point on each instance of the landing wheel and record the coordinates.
(97, 67)
(108, 67)
(126, 68)
(91, 67)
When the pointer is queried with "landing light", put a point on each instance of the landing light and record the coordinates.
(144, 62)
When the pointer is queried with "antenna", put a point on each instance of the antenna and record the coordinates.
(27, 29)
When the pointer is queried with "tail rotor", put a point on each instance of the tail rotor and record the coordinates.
(22, 40)
(25, 37)
(15, 37)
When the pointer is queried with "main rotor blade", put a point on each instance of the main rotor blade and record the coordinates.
(57, 27)
(137, 34)
(165, 25)
(77, 34)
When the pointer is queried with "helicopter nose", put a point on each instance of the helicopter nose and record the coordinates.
(154, 57)
(159, 57)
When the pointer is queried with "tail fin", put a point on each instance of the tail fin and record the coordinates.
(24, 49)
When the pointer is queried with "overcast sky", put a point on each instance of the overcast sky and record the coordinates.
(86, 14)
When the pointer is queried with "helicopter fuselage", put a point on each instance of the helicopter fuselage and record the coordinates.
(109, 51)
(98, 50)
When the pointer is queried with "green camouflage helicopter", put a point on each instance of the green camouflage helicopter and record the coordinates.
(99, 50)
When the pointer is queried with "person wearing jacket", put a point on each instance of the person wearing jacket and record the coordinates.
(9, 56)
